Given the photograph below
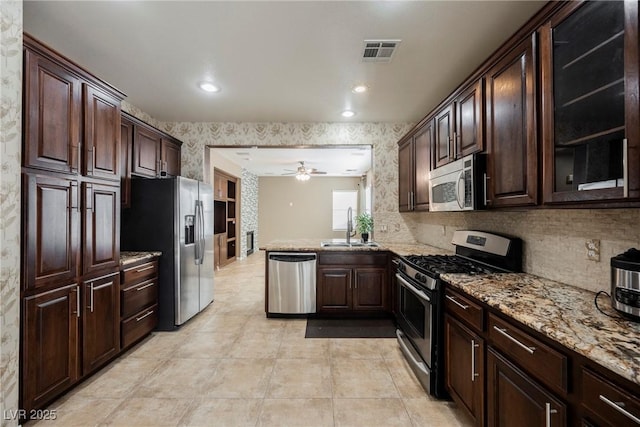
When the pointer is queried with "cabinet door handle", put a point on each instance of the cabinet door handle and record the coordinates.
(528, 349)
(74, 195)
(548, 411)
(147, 314)
(89, 197)
(149, 267)
(78, 301)
(484, 188)
(453, 300)
(618, 406)
(148, 285)
(474, 374)
(91, 298)
(625, 168)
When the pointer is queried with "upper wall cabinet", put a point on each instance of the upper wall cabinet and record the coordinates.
(511, 128)
(414, 164)
(155, 153)
(591, 137)
(61, 101)
(102, 134)
(52, 121)
(459, 126)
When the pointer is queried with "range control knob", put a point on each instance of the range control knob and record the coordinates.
(421, 278)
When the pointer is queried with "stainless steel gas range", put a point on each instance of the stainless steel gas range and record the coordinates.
(420, 297)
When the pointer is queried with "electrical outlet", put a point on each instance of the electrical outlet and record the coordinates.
(396, 227)
(593, 249)
(444, 230)
(383, 228)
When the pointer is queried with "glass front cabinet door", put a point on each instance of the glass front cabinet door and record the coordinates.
(590, 107)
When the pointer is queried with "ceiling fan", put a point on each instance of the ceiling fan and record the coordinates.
(304, 173)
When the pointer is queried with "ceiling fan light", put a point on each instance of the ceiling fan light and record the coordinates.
(360, 88)
(208, 87)
(348, 113)
(303, 176)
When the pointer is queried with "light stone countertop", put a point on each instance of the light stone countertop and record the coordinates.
(127, 258)
(402, 249)
(564, 313)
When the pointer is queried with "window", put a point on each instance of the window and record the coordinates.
(342, 200)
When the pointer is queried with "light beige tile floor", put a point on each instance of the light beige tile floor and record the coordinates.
(232, 366)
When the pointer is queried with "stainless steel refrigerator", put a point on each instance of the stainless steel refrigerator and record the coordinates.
(174, 216)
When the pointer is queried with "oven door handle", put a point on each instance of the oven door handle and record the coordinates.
(419, 364)
(413, 289)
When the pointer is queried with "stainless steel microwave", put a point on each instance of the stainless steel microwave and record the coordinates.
(459, 185)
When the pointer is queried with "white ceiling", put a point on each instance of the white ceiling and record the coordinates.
(344, 161)
(291, 61)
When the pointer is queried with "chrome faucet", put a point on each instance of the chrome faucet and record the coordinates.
(350, 225)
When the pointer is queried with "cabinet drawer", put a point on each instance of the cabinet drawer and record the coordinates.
(464, 309)
(613, 405)
(139, 325)
(140, 272)
(136, 297)
(353, 259)
(540, 360)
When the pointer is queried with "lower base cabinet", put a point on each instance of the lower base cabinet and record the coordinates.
(139, 301)
(464, 368)
(100, 326)
(515, 399)
(352, 290)
(51, 325)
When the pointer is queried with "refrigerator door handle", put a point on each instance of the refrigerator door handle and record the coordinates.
(202, 234)
(196, 245)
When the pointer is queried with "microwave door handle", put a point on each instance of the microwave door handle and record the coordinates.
(460, 178)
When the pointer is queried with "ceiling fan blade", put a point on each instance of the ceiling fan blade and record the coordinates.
(317, 173)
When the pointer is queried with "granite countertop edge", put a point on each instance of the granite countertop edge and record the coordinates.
(128, 257)
(564, 313)
(313, 245)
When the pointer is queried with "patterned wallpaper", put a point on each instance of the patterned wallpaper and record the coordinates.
(248, 210)
(554, 239)
(11, 136)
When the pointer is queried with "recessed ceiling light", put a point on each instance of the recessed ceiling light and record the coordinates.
(348, 113)
(208, 87)
(360, 89)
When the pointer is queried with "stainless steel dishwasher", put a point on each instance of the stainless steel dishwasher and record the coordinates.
(292, 283)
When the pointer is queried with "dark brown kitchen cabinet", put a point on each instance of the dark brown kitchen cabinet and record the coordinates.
(335, 290)
(414, 165)
(464, 367)
(70, 222)
(101, 226)
(607, 403)
(170, 157)
(514, 398)
(126, 150)
(138, 301)
(469, 135)
(102, 134)
(51, 226)
(370, 289)
(100, 321)
(511, 135)
(590, 109)
(146, 152)
(352, 283)
(50, 339)
(459, 126)
(444, 145)
(53, 95)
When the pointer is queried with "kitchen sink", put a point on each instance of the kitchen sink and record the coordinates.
(344, 244)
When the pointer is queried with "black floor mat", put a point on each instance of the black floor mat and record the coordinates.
(350, 328)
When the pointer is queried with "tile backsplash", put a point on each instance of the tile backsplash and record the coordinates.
(553, 239)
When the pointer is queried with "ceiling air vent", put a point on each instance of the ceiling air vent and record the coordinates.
(379, 50)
